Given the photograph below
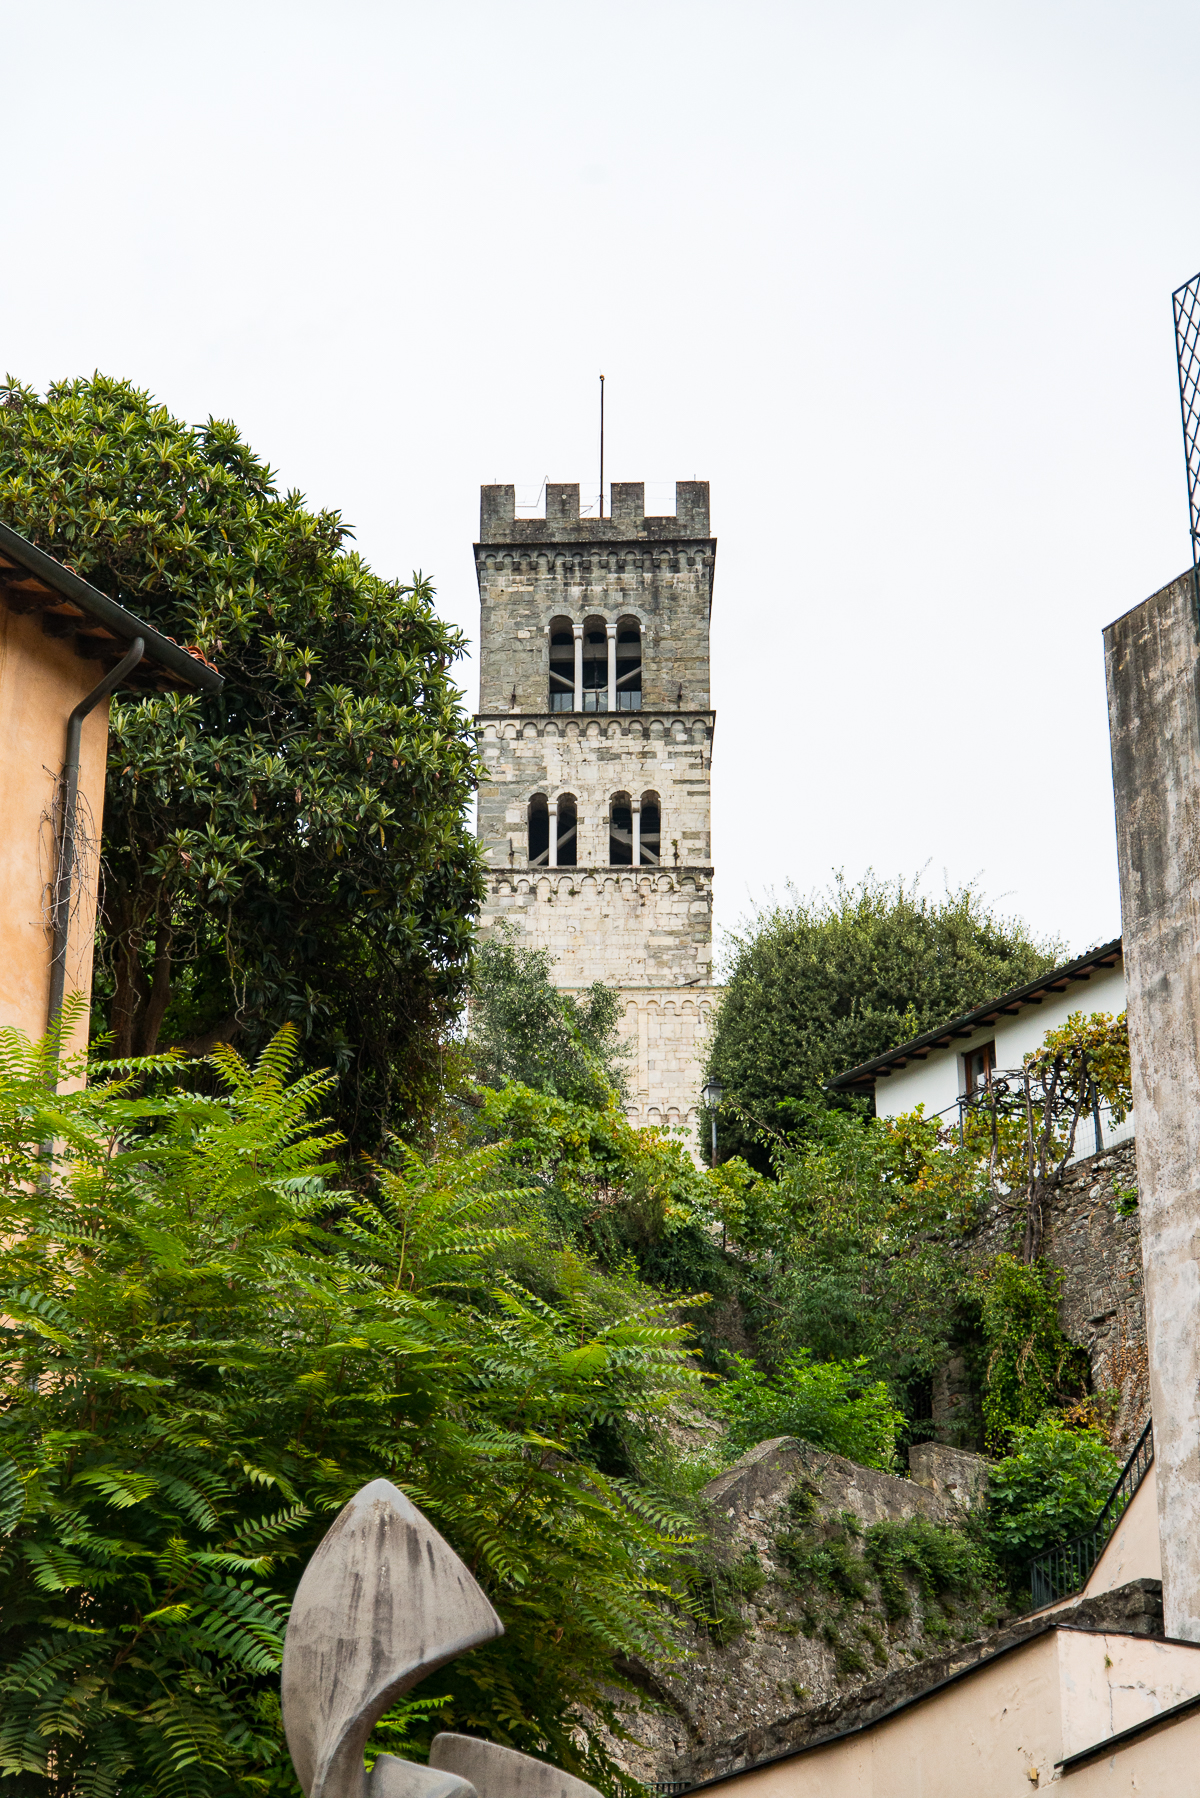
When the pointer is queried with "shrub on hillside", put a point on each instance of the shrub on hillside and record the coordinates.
(833, 1404)
(1051, 1488)
(821, 983)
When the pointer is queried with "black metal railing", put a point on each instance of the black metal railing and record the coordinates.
(667, 1787)
(1067, 1568)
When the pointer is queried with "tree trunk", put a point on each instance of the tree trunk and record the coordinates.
(159, 994)
(1031, 1245)
(139, 1002)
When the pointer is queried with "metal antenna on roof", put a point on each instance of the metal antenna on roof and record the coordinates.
(1186, 304)
(602, 443)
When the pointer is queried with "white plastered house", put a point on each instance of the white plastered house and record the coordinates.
(938, 1069)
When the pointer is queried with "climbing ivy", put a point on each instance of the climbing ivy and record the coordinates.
(1029, 1365)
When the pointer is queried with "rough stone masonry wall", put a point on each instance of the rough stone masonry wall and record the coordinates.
(1100, 1256)
(531, 571)
(668, 1034)
(647, 932)
(789, 1645)
(625, 926)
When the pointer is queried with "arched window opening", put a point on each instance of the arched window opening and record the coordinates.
(567, 833)
(629, 666)
(562, 665)
(620, 831)
(539, 831)
(650, 833)
(595, 666)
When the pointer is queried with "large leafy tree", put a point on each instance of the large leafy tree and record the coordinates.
(296, 849)
(821, 984)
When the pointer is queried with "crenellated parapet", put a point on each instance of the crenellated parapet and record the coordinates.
(498, 521)
(542, 578)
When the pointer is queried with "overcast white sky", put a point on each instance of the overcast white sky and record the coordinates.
(895, 278)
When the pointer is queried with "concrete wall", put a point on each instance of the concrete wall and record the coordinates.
(41, 680)
(1132, 1551)
(999, 1730)
(1154, 721)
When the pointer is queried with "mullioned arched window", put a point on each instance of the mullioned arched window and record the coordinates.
(539, 831)
(650, 833)
(620, 831)
(629, 666)
(562, 665)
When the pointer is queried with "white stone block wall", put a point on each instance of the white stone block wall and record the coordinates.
(669, 1031)
(624, 926)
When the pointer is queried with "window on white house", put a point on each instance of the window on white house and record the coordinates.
(979, 1065)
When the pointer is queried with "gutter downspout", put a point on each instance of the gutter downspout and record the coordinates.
(64, 878)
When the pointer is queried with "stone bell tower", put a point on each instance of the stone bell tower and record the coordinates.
(596, 731)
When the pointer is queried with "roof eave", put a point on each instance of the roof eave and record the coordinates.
(863, 1077)
(160, 651)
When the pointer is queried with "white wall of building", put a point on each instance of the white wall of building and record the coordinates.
(938, 1082)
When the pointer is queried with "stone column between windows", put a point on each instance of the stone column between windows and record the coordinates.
(635, 807)
(552, 810)
(612, 667)
(578, 629)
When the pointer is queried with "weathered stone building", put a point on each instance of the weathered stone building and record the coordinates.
(596, 729)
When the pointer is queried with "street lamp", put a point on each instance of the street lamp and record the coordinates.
(712, 1095)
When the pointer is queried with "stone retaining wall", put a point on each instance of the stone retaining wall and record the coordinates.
(1099, 1255)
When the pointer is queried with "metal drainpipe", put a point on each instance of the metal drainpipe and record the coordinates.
(64, 878)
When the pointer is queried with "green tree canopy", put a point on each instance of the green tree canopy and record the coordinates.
(296, 849)
(523, 1029)
(821, 984)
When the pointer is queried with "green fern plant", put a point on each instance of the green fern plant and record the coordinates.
(206, 1346)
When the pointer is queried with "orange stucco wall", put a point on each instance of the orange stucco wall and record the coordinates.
(41, 679)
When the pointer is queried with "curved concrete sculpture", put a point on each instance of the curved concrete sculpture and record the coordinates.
(383, 1602)
(496, 1772)
(394, 1778)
